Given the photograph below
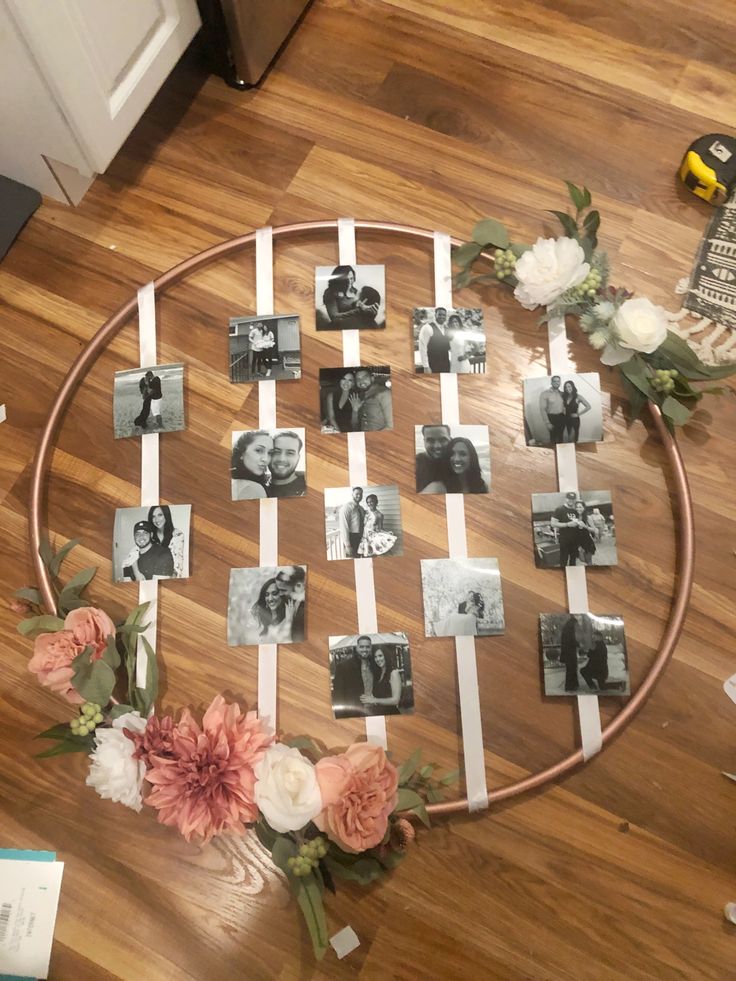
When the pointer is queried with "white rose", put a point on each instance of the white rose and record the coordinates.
(286, 788)
(547, 270)
(640, 325)
(113, 772)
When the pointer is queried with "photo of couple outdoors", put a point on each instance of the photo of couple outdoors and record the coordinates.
(462, 598)
(265, 347)
(350, 297)
(268, 463)
(563, 409)
(148, 400)
(356, 400)
(267, 605)
(452, 459)
(450, 341)
(362, 522)
(575, 528)
(151, 543)
(371, 675)
(583, 654)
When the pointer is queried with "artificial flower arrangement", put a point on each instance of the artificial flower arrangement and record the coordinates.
(322, 817)
(570, 275)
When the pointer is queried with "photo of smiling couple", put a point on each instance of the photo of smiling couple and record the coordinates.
(452, 459)
(268, 463)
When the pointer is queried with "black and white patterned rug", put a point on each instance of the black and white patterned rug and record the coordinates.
(712, 289)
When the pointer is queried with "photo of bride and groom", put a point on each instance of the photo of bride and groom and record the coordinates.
(462, 597)
(452, 459)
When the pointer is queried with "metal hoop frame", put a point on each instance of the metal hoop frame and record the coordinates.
(686, 534)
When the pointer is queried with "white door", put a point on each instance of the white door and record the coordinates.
(104, 60)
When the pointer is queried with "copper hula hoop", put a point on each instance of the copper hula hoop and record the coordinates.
(686, 534)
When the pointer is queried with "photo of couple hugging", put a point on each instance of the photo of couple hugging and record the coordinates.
(452, 459)
(267, 605)
(151, 543)
(356, 399)
(350, 297)
(462, 598)
(563, 410)
(268, 464)
(371, 675)
(572, 528)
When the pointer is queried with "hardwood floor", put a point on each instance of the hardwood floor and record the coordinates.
(435, 114)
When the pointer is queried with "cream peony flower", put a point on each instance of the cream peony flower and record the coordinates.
(113, 772)
(547, 270)
(286, 788)
(640, 325)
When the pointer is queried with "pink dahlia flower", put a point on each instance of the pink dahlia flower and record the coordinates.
(204, 785)
(359, 791)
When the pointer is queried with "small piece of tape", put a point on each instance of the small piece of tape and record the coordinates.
(729, 911)
(267, 684)
(449, 399)
(729, 686)
(365, 594)
(457, 538)
(357, 460)
(269, 532)
(344, 942)
(3, 413)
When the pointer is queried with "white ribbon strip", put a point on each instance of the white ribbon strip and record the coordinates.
(147, 589)
(365, 590)
(589, 715)
(729, 686)
(449, 399)
(457, 546)
(268, 537)
(3, 413)
(442, 270)
(357, 460)
(467, 682)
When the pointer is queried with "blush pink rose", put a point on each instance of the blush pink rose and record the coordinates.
(91, 627)
(51, 663)
(359, 792)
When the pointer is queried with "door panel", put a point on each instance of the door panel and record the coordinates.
(104, 60)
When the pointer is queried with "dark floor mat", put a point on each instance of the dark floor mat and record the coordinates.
(17, 204)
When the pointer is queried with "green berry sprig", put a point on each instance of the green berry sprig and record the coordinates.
(505, 263)
(663, 380)
(90, 716)
(309, 857)
(589, 286)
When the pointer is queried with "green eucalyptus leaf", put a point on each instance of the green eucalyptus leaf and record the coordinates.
(449, 778)
(265, 834)
(55, 563)
(363, 869)
(678, 354)
(82, 744)
(69, 599)
(284, 848)
(676, 411)
(309, 897)
(461, 279)
(576, 195)
(408, 768)
(60, 731)
(83, 578)
(408, 799)
(305, 743)
(637, 400)
(110, 655)
(94, 680)
(46, 552)
(29, 594)
(126, 629)
(569, 224)
(434, 796)
(635, 370)
(421, 812)
(587, 199)
(519, 248)
(466, 254)
(491, 232)
(40, 625)
(117, 710)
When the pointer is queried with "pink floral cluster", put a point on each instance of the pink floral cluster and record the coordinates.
(53, 653)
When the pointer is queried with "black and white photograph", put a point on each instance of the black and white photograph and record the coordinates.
(148, 400)
(370, 674)
(452, 459)
(449, 340)
(268, 463)
(350, 297)
(151, 543)
(462, 598)
(583, 654)
(563, 409)
(267, 605)
(574, 528)
(357, 399)
(363, 522)
(265, 347)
